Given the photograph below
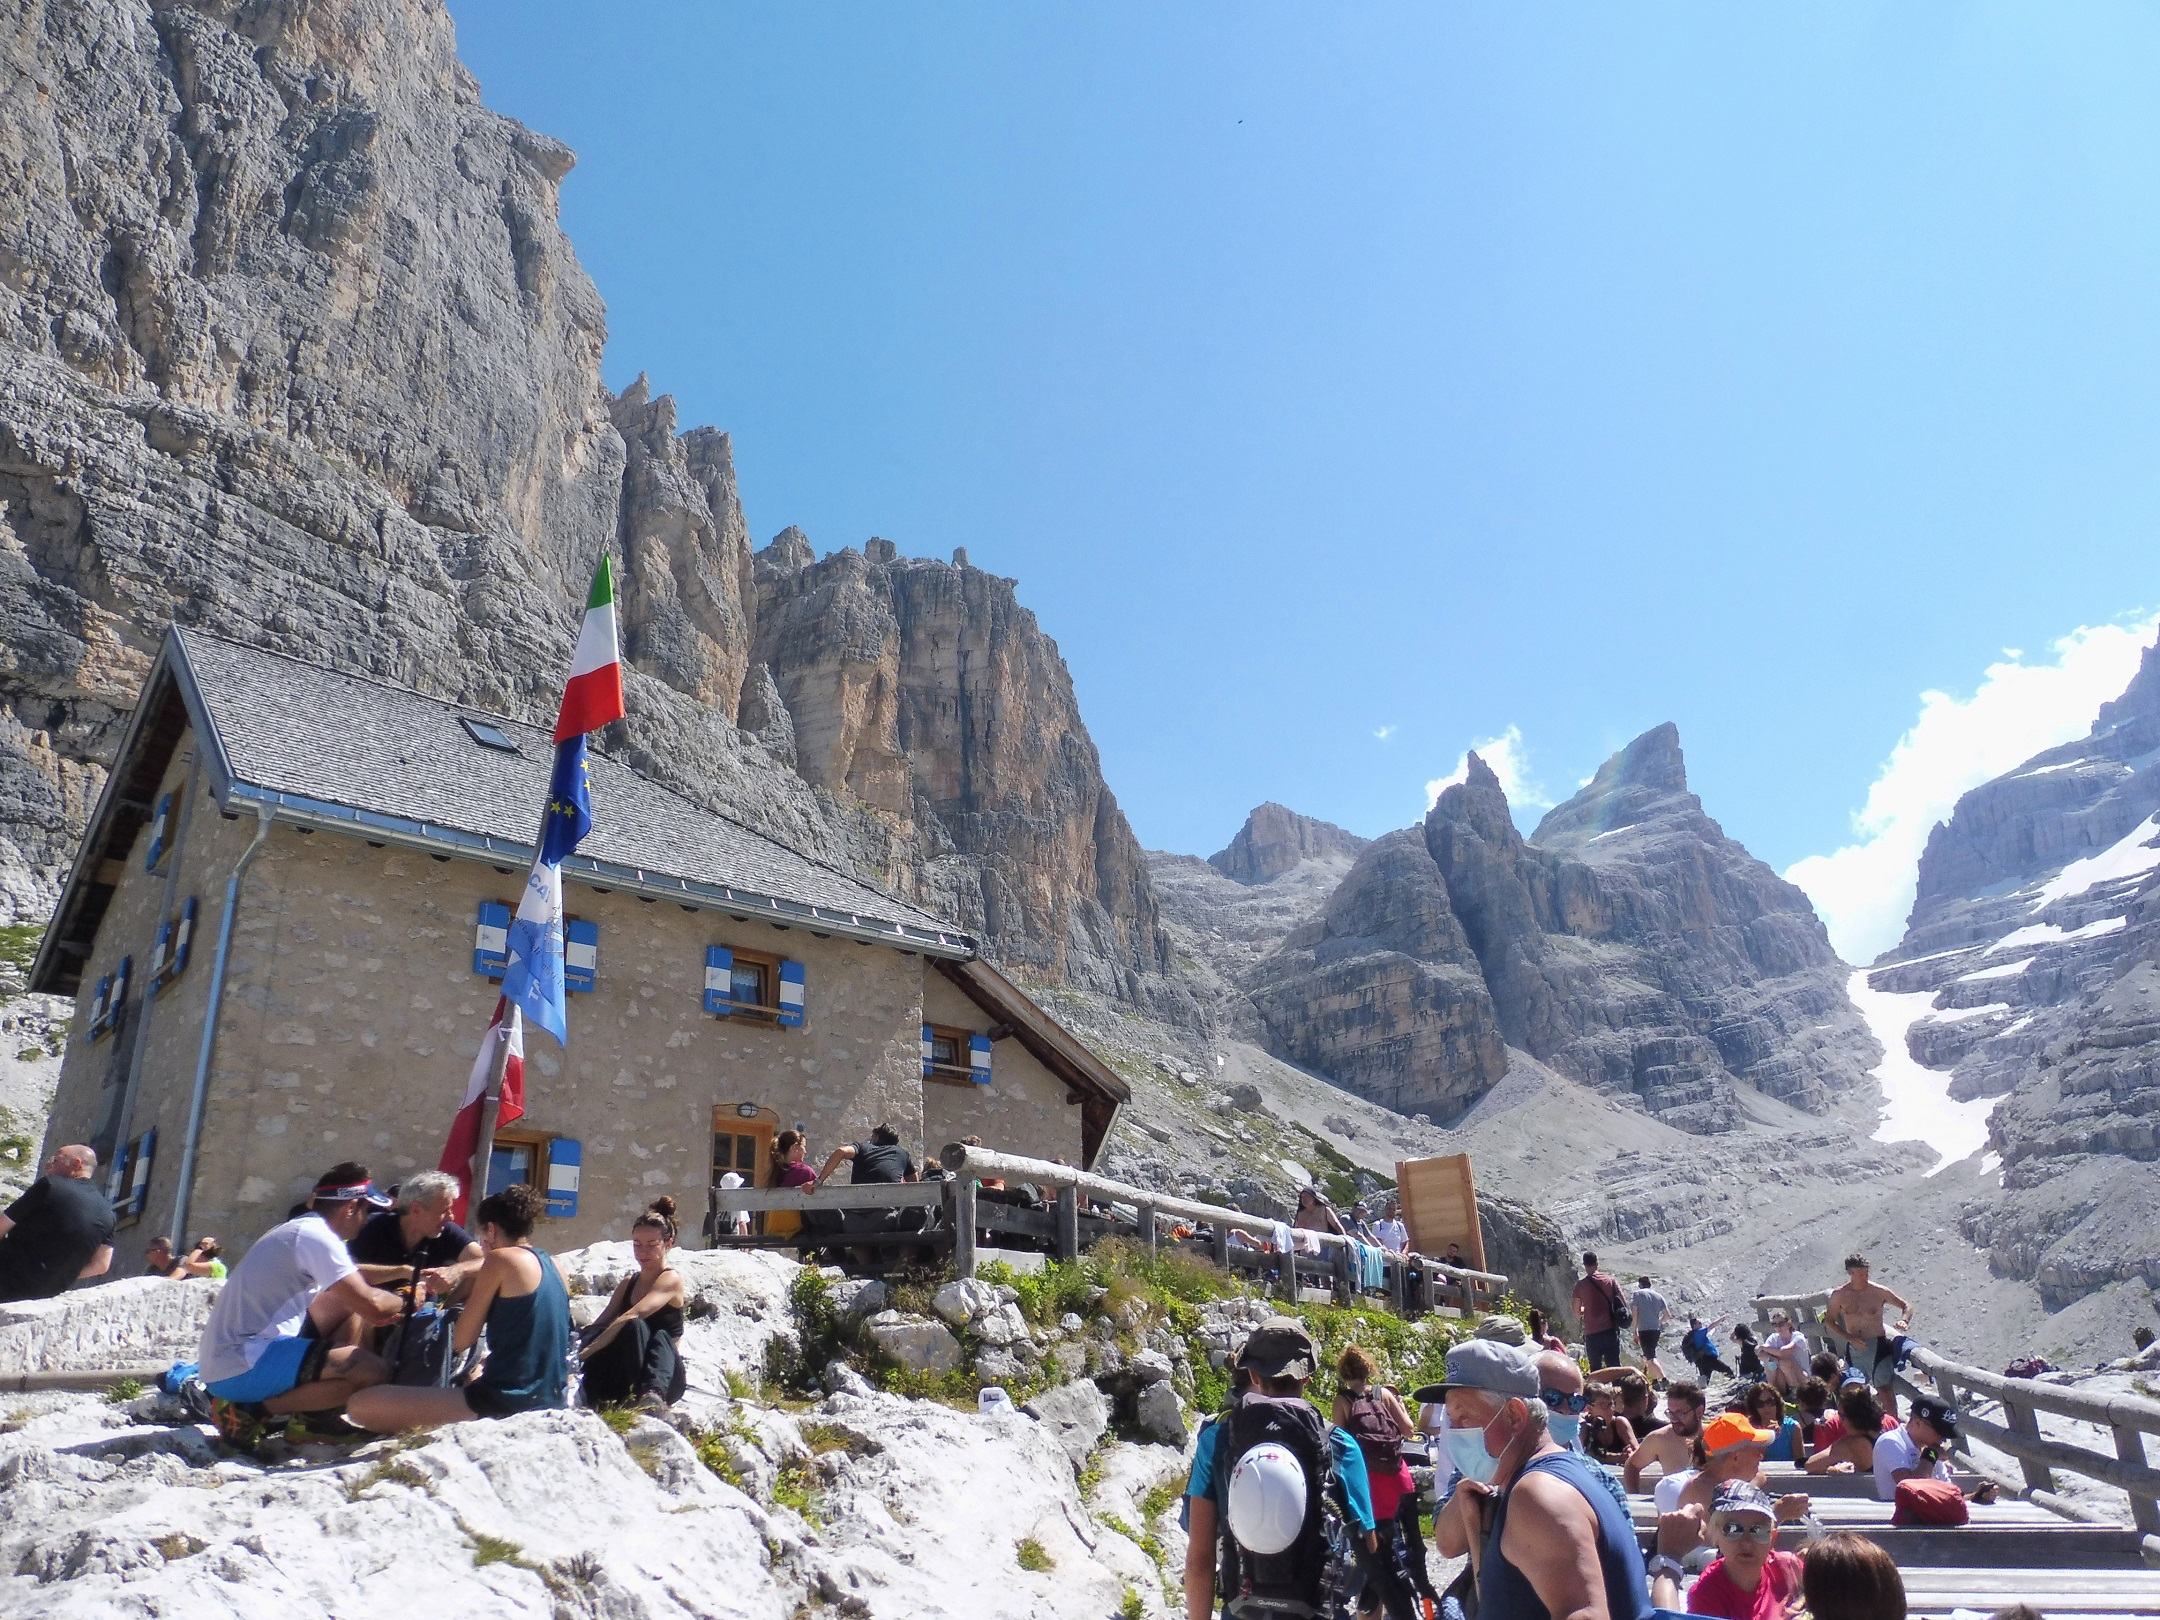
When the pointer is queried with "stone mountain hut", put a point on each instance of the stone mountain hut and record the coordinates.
(361, 846)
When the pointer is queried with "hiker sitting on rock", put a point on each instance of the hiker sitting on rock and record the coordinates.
(419, 1232)
(284, 1336)
(58, 1232)
(519, 1297)
(632, 1350)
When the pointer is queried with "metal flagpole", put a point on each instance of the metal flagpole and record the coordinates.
(491, 1103)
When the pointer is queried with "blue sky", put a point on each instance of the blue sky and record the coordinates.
(1320, 371)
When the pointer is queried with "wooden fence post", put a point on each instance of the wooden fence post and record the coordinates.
(1068, 1223)
(1147, 1227)
(1347, 1278)
(2130, 1447)
(962, 1196)
(2025, 1423)
(1222, 1244)
(1398, 1277)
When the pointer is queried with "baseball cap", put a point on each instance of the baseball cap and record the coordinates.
(1939, 1414)
(1487, 1364)
(1729, 1429)
(1278, 1348)
(1742, 1496)
(1506, 1329)
(362, 1192)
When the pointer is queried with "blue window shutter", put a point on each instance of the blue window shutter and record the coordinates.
(581, 954)
(158, 824)
(98, 1005)
(491, 940)
(719, 980)
(138, 1182)
(119, 992)
(161, 955)
(929, 1047)
(565, 1159)
(979, 1059)
(181, 936)
(791, 995)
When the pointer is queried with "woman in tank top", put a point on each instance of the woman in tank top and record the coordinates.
(632, 1350)
(519, 1297)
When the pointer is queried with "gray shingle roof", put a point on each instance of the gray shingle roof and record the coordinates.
(320, 741)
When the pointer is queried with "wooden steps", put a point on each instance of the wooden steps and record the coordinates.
(2084, 1592)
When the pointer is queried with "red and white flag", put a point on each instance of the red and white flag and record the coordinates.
(593, 698)
(507, 1026)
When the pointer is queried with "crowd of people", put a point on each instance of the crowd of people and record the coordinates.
(1534, 1463)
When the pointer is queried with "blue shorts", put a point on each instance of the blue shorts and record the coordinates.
(284, 1365)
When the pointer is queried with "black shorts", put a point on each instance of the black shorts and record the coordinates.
(1648, 1341)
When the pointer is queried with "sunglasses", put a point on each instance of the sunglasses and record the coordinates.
(1739, 1531)
(1563, 1403)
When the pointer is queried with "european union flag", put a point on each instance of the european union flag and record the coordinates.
(569, 807)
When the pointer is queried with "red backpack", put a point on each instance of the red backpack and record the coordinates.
(1929, 1501)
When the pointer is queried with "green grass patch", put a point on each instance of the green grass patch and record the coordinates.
(791, 1488)
(123, 1391)
(622, 1419)
(19, 945)
(1160, 1500)
(1030, 1554)
(495, 1550)
(1129, 1606)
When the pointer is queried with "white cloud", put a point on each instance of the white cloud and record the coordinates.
(1510, 761)
(1864, 891)
(1385, 732)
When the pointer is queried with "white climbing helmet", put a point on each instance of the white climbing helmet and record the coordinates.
(1267, 1499)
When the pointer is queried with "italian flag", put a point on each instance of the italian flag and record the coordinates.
(505, 1029)
(594, 697)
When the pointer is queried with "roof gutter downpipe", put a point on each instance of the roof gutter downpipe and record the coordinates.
(210, 1023)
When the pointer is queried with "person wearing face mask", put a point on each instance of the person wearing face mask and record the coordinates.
(1544, 1534)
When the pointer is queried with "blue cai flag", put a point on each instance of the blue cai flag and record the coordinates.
(533, 979)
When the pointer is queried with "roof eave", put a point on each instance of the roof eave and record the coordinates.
(1101, 1092)
(46, 970)
(456, 843)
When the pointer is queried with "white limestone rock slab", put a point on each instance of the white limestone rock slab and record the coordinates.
(136, 1321)
(576, 1522)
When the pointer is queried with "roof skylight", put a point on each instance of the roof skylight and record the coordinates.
(488, 735)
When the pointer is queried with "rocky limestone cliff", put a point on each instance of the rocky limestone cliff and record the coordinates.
(1274, 840)
(1629, 943)
(2033, 960)
(926, 692)
(293, 348)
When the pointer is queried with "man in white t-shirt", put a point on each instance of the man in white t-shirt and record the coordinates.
(1920, 1450)
(1389, 1229)
(284, 1334)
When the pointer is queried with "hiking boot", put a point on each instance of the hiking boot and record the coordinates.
(325, 1427)
(654, 1404)
(240, 1424)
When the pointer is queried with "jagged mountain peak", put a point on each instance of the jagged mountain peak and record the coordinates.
(2140, 700)
(1631, 786)
(1275, 839)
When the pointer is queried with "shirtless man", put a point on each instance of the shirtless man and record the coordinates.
(1855, 1314)
(1672, 1447)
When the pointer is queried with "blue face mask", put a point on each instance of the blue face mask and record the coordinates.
(1466, 1450)
(1565, 1427)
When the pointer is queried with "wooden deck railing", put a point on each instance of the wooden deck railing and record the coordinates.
(2127, 1418)
(1084, 1209)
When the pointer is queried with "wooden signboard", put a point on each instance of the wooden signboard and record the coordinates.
(1439, 1205)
